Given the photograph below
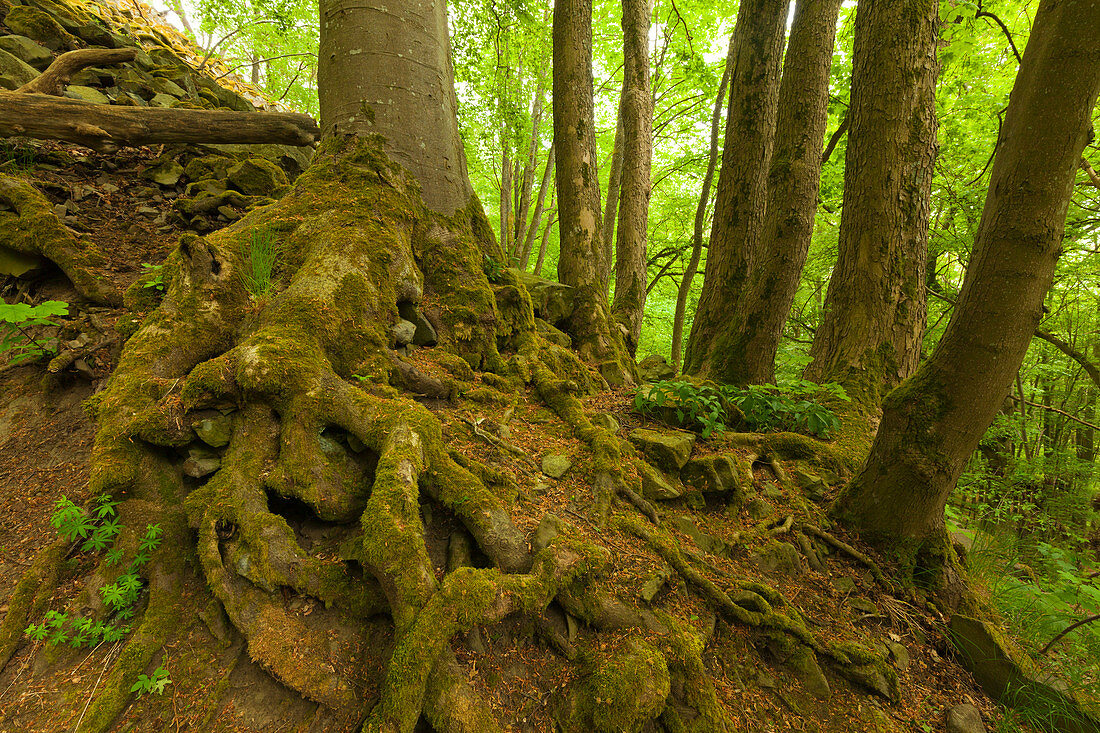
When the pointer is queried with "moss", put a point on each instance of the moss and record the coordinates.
(622, 689)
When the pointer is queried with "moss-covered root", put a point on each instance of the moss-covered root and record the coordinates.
(852, 552)
(35, 231)
(31, 594)
(468, 597)
(691, 687)
(160, 619)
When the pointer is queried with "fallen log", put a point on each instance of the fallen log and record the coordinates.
(54, 79)
(107, 128)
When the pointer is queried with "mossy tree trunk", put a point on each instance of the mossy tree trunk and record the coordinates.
(636, 117)
(580, 262)
(933, 422)
(870, 337)
(747, 341)
(740, 201)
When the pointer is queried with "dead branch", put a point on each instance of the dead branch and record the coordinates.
(54, 79)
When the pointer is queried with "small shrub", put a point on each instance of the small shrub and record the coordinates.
(494, 270)
(261, 252)
(155, 684)
(15, 320)
(152, 276)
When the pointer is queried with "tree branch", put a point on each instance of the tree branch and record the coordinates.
(1048, 408)
(54, 79)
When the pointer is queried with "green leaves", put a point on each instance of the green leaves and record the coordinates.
(17, 318)
(155, 684)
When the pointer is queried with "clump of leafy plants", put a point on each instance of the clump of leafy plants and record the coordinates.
(494, 270)
(96, 531)
(714, 408)
(155, 684)
(16, 320)
(260, 253)
(152, 276)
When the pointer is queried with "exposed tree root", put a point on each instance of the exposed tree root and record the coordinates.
(852, 552)
(30, 596)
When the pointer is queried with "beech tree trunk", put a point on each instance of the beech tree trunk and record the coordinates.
(740, 202)
(536, 217)
(577, 177)
(637, 120)
(746, 344)
(609, 222)
(870, 336)
(933, 422)
(528, 171)
(684, 289)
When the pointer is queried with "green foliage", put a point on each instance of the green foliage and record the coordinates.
(155, 684)
(762, 407)
(260, 254)
(16, 157)
(494, 270)
(152, 276)
(15, 320)
(98, 528)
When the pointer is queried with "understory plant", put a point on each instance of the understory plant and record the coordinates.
(16, 322)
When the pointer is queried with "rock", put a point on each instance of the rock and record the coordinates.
(814, 486)
(965, 718)
(86, 94)
(705, 542)
(555, 466)
(876, 720)
(549, 528)
(758, 508)
(803, 663)
(654, 583)
(875, 676)
(291, 159)
(162, 100)
(147, 211)
(14, 72)
(41, 27)
(711, 474)
(606, 421)
(778, 558)
(201, 462)
(27, 51)
(425, 332)
(843, 584)
(552, 334)
(552, 301)
(403, 332)
(93, 35)
(167, 87)
(258, 177)
(167, 172)
(899, 654)
(20, 264)
(214, 431)
(655, 485)
(863, 605)
(667, 451)
(208, 166)
(618, 692)
(655, 368)
(1012, 678)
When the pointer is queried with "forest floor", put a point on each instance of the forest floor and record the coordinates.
(45, 446)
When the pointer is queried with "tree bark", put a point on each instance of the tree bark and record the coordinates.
(529, 171)
(577, 178)
(684, 290)
(636, 114)
(870, 336)
(55, 78)
(746, 344)
(107, 127)
(742, 181)
(609, 221)
(536, 217)
(934, 421)
(420, 123)
(545, 240)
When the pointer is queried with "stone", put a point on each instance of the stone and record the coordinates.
(552, 334)
(555, 466)
(711, 474)
(758, 508)
(40, 27)
(201, 462)
(292, 159)
(654, 583)
(167, 172)
(26, 50)
(780, 558)
(1010, 676)
(162, 100)
(208, 166)
(425, 334)
(549, 527)
(655, 368)
(258, 177)
(86, 94)
(898, 654)
(167, 87)
(965, 718)
(843, 584)
(403, 332)
(614, 374)
(620, 692)
(667, 451)
(552, 301)
(803, 663)
(606, 421)
(811, 484)
(705, 542)
(94, 35)
(15, 72)
(214, 431)
(21, 264)
(863, 605)
(655, 485)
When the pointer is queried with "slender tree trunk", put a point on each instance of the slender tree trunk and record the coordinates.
(636, 116)
(529, 172)
(420, 124)
(536, 217)
(545, 240)
(577, 177)
(742, 181)
(870, 336)
(745, 348)
(614, 187)
(933, 422)
(684, 290)
(505, 189)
